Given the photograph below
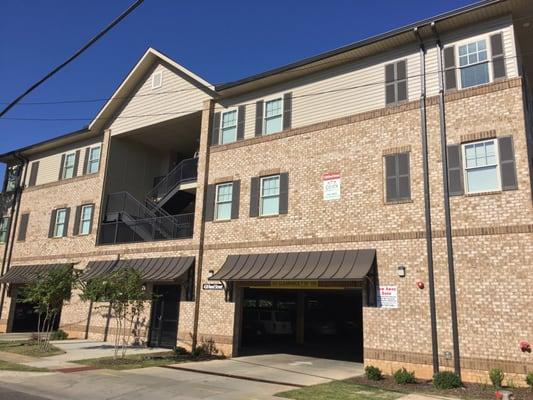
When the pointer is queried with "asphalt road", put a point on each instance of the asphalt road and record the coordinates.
(8, 394)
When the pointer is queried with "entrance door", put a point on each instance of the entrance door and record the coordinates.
(165, 313)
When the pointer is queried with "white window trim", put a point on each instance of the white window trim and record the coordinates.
(223, 202)
(265, 101)
(222, 119)
(64, 176)
(489, 57)
(498, 173)
(261, 197)
(89, 160)
(83, 208)
(160, 74)
(63, 233)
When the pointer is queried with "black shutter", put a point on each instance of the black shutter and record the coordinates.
(259, 118)
(391, 178)
(241, 116)
(254, 196)
(283, 193)
(23, 227)
(76, 163)
(33, 173)
(61, 166)
(450, 76)
(77, 220)
(52, 223)
(404, 184)
(215, 131)
(92, 217)
(455, 170)
(67, 217)
(287, 111)
(507, 163)
(86, 160)
(390, 92)
(401, 80)
(210, 202)
(498, 57)
(235, 197)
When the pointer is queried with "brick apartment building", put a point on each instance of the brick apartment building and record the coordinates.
(373, 202)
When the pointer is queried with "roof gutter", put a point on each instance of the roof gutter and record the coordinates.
(447, 212)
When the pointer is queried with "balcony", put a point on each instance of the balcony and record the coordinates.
(6, 201)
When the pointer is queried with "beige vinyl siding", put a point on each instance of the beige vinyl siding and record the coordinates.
(359, 86)
(50, 162)
(176, 97)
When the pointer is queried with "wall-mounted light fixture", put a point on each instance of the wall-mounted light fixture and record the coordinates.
(210, 273)
(400, 271)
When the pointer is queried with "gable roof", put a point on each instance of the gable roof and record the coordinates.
(147, 61)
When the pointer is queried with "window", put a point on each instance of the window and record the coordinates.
(228, 127)
(157, 79)
(273, 116)
(68, 166)
(224, 195)
(13, 173)
(473, 63)
(60, 223)
(269, 195)
(396, 82)
(481, 172)
(86, 217)
(94, 160)
(397, 181)
(4, 225)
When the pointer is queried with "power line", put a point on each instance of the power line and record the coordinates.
(113, 23)
(218, 107)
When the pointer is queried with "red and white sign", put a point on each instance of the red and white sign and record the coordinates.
(388, 297)
(332, 186)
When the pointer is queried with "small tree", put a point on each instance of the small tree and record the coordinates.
(48, 293)
(124, 291)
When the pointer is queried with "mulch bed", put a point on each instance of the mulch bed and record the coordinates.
(468, 391)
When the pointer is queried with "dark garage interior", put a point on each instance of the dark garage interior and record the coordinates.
(318, 323)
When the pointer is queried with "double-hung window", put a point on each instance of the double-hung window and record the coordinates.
(269, 195)
(228, 127)
(474, 63)
(86, 216)
(94, 160)
(273, 116)
(4, 224)
(60, 223)
(223, 201)
(481, 172)
(68, 166)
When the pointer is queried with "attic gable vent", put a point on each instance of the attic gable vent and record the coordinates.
(157, 79)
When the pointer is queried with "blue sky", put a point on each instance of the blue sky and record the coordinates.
(220, 41)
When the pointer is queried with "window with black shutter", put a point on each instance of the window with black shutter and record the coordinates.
(397, 177)
(396, 82)
(23, 227)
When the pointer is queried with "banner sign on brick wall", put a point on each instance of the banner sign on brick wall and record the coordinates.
(388, 297)
(332, 186)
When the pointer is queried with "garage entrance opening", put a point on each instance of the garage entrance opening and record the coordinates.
(319, 323)
(25, 318)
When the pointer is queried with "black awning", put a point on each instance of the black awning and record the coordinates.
(337, 265)
(150, 269)
(20, 274)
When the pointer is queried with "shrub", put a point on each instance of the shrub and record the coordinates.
(373, 373)
(59, 335)
(180, 351)
(206, 348)
(446, 380)
(496, 376)
(529, 380)
(402, 376)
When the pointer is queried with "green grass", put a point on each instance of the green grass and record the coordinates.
(339, 390)
(133, 361)
(8, 366)
(28, 348)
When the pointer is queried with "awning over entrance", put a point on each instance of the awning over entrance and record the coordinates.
(21, 274)
(337, 265)
(150, 269)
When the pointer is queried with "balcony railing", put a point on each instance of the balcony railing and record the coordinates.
(126, 229)
(185, 171)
